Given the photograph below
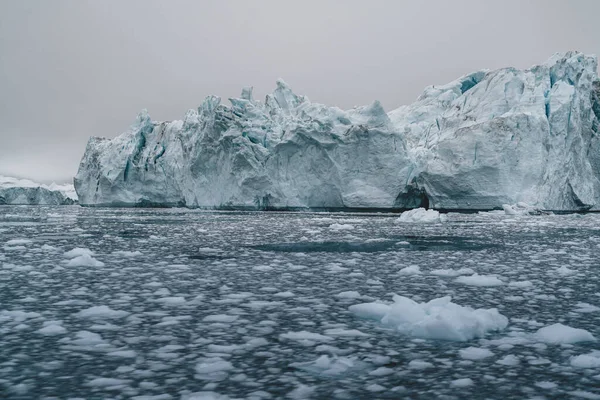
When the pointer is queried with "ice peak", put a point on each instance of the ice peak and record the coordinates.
(247, 93)
(284, 96)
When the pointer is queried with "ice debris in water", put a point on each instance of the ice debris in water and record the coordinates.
(479, 280)
(421, 216)
(436, 319)
(331, 365)
(521, 209)
(591, 360)
(559, 333)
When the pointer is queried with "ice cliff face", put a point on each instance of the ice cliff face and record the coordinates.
(486, 139)
(25, 192)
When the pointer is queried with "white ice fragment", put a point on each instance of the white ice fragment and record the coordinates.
(421, 216)
(52, 329)
(341, 227)
(101, 312)
(345, 332)
(419, 364)
(330, 365)
(224, 318)
(559, 334)
(509, 360)
(479, 280)
(565, 271)
(78, 251)
(436, 319)
(18, 242)
(125, 253)
(591, 360)
(172, 300)
(84, 260)
(462, 382)
(451, 273)
(475, 353)
(107, 382)
(348, 295)
(410, 270)
(520, 284)
(305, 335)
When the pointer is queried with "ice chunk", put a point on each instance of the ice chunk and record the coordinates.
(475, 353)
(348, 295)
(451, 273)
(341, 227)
(410, 270)
(52, 329)
(305, 335)
(480, 280)
(509, 360)
(559, 333)
(101, 312)
(78, 251)
(462, 382)
(421, 216)
(591, 360)
(436, 319)
(330, 365)
(84, 260)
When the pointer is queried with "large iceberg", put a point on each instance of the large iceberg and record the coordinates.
(489, 138)
(25, 192)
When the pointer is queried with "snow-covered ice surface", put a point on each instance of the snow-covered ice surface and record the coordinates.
(189, 304)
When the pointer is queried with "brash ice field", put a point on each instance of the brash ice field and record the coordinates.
(177, 303)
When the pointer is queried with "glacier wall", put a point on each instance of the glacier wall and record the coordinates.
(15, 191)
(486, 139)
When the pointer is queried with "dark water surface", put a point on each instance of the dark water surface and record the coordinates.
(175, 302)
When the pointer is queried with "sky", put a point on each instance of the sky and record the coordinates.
(71, 69)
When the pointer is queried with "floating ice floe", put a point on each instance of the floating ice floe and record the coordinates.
(479, 280)
(591, 360)
(436, 319)
(84, 260)
(326, 365)
(559, 334)
(475, 353)
(422, 216)
(101, 312)
(78, 251)
(521, 209)
(410, 270)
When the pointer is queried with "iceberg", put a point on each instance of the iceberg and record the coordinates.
(487, 139)
(25, 192)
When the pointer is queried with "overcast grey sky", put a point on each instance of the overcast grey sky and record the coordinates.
(70, 69)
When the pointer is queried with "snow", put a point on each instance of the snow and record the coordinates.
(563, 334)
(421, 216)
(436, 319)
(480, 280)
(519, 138)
